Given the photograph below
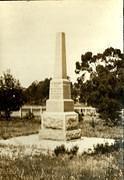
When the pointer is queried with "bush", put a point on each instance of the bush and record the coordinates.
(106, 148)
(80, 115)
(92, 123)
(74, 150)
(61, 150)
(102, 148)
(29, 115)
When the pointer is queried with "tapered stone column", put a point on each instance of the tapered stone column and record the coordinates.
(60, 122)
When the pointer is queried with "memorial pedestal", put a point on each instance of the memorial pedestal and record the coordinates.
(60, 126)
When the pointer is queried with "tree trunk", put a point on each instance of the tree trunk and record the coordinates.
(7, 115)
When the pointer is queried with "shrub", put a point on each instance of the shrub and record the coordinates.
(74, 150)
(29, 115)
(92, 123)
(102, 148)
(59, 150)
(80, 115)
(106, 148)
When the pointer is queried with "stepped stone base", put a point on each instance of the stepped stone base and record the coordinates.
(60, 126)
(59, 134)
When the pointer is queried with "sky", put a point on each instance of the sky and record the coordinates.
(28, 34)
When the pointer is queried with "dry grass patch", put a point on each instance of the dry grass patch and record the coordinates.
(51, 167)
(100, 130)
(18, 127)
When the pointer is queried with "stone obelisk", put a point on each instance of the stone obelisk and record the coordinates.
(60, 122)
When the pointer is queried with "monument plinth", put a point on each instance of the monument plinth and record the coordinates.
(60, 122)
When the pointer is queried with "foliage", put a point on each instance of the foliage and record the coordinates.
(74, 150)
(21, 162)
(101, 129)
(11, 94)
(74, 92)
(29, 115)
(38, 92)
(80, 115)
(103, 148)
(36, 165)
(92, 123)
(105, 87)
(61, 150)
(107, 148)
(18, 127)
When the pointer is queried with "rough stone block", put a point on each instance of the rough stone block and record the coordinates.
(60, 126)
(71, 121)
(62, 120)
(73, 134)
(53, 120)
(54, 134)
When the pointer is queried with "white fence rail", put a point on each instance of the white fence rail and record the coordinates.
(38, 110)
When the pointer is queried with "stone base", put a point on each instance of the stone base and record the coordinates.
(59, 134)
(60, 126)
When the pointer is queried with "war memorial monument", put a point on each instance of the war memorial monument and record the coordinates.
(60, 122)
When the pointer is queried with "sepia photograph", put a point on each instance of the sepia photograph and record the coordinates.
(61, 90)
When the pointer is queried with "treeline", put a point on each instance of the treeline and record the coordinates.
(13, 95)
(37, 93)
(100, 84)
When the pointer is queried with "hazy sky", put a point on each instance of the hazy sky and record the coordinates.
(28, 34)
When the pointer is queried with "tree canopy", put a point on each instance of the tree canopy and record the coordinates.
(11, 94)
(104, 89)
(38, 92)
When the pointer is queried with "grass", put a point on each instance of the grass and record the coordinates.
(16, 164)
(18, 127)
(51, 167)
(101, 130)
